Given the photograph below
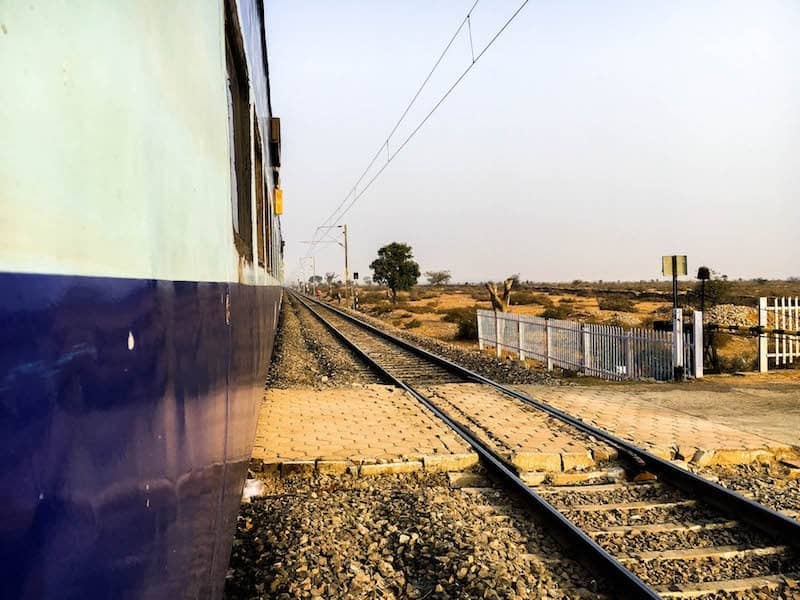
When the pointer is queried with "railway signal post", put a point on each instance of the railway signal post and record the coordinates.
(675, 265)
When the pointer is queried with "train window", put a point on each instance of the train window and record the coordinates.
(270, 229)
(239, 118)
(259, 173)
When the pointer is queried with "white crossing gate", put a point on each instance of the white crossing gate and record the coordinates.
(604, 351)
(779, 323)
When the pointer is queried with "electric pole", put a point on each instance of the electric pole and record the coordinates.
(346, 266)
(346, 255)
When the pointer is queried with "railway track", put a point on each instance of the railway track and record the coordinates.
(673, 535)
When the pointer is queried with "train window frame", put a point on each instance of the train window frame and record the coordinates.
(258, 170)
(270, 225)
(239, 121)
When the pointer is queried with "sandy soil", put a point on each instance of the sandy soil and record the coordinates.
(425, 312)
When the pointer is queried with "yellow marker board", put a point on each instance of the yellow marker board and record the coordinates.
(278, 201)
(680, 265)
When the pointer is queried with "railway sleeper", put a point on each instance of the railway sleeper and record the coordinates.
(710, 564)
(764, 583)
(708, 567)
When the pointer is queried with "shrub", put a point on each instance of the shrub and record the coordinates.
(531, 298)
(371, 297)
(717, 291)
(381, 309)
(618, 303)
(418, 310)
(417, 294)
(557, 312)
(453, 315)
(412, 324)
(467, 320)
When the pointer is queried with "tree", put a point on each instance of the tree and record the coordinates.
(317, 279)
(329, 277)
(367, 280)
(395, 268)
(500, 299)
(438, 277)
(713, 287)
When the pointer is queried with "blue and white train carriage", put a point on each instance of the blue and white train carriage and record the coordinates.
(140, 268)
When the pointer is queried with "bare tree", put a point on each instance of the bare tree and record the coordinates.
(438, 277)
(329, 277)
(500, 298)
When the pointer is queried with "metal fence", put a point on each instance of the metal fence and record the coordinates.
(776, 315)
(601, 350)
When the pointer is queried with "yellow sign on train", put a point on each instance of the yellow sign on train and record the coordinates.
(278, 201)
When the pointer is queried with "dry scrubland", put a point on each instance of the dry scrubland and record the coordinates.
(448, 312)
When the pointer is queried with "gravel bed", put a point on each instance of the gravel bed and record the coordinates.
(768, 484)
(628, 493)
(509, 372)
(630, 544)
(731, 314)
(789, 591)
(291, 365)
(677, 514)
(668, 572)
(338, 362)
(307, 355)
(405, 536)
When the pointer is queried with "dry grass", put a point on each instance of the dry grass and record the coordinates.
(424, 309)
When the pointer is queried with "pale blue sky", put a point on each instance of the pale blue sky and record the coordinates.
(592, 138)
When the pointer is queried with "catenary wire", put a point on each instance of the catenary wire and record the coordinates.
(385, 143)
(424, 120)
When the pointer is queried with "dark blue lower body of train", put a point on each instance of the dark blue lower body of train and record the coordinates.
(127, 413)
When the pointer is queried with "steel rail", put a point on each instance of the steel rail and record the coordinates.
(587, 551)
(734, 505)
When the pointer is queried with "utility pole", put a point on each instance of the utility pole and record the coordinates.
(313, 269)
(346, 254)
(346, 266)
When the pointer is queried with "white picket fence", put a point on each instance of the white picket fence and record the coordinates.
(600, 350)
(783, 314)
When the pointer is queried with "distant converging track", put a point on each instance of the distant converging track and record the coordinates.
(678, 536)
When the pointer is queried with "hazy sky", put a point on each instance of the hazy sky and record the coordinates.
(592, 138)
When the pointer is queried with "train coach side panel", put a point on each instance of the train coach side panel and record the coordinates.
(123, 446)
(115, 158)
(133, 351)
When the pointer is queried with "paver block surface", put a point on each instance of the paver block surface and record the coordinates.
(339, 427)
(531, 439)
(664, 432)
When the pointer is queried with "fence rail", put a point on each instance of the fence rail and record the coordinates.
(601, 350)
(783, 314)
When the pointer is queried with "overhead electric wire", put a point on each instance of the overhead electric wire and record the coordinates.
(385, 143)
(390, 156)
